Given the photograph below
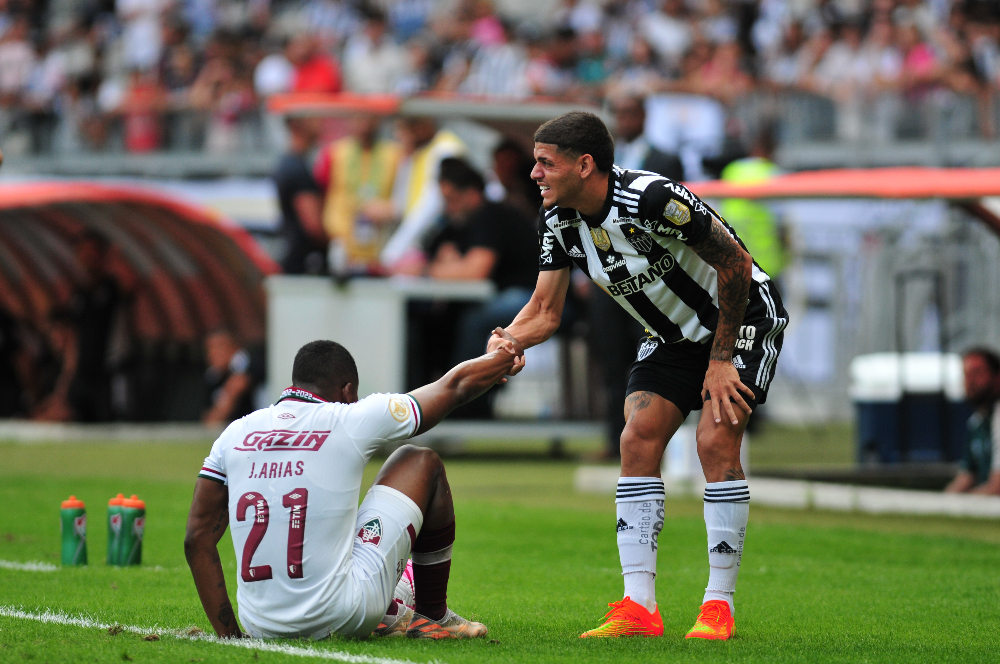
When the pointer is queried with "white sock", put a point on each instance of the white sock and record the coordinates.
(639, 504)
(727, 509)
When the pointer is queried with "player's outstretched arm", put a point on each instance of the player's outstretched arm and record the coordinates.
(464, 383)
(733, 266)
(206, 525)
(540, 317)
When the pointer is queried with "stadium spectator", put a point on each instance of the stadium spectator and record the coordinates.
(301, 202)
(632, 149)
(512, 166)
(357, 554)
(141, 109)
(482, 240)
(979, 468)
(669, 31)
(415, 192)
(142, 37)
(357, 173)
(231, 377)
(373, 61)
(315, 71)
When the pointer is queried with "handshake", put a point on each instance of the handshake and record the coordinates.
(501, 340)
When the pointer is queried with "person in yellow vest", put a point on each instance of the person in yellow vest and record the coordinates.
(754, 222)
(358, 172)
(415, 193)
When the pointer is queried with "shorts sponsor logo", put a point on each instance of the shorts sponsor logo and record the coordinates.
(280, 441)
(371, 532)
(747, 335)
(650, 276)
(601, 238)
(738, 362)
(623, 525)
(646, 349)
(639, 240)
(677, 212)
(399, 410)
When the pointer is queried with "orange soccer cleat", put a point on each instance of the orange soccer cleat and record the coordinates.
(714, 622)
(628, 618)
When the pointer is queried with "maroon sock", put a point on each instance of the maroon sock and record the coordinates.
(431, 568)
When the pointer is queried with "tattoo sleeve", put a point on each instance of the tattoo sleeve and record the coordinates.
(732, 265)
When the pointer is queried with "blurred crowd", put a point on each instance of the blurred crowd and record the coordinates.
(142, 75)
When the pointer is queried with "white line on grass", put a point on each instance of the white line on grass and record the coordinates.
(32, 566)
(247, 644)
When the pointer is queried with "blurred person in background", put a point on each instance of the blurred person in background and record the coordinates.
(415, 192)
(979, 468)
(315, 71)
(231, 377)
(357, 173)
(301, 202)
(141, 109)
(372, 60)
(632, 148)
(668, 30)
(142, 36)
(480, 239)
(94, 307)
(17, 61)
(512, 166)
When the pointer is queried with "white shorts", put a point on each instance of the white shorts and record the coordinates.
(388, 524)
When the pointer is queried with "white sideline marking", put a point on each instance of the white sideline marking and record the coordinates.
(247, 644)
(32, 566)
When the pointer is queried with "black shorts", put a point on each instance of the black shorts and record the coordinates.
(676, 371)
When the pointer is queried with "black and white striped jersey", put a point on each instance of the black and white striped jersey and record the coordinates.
(638, 250)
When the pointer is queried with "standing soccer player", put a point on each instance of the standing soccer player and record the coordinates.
(715, 324)
(286, 480)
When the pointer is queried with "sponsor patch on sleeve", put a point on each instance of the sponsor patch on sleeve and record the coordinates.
(399, 409)
(677, 212)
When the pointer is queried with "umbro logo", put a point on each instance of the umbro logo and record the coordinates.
(575, 252)
(738, 362)
(286, 416)
(722, 547)
(622, 525)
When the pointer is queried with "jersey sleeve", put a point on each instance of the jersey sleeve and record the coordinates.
(668, 208)
(214, 466)
(381, 418)
(551, 255)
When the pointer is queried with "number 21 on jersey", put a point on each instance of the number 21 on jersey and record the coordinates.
(295, 501)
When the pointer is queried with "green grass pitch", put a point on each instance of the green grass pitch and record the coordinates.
(533, 560)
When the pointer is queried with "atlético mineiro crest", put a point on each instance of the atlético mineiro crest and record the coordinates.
(371, 532)
(646, 349)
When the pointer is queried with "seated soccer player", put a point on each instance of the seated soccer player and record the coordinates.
(287, 479)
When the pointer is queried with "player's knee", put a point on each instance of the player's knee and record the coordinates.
(717, 442)
(636, 441)
(422, 459)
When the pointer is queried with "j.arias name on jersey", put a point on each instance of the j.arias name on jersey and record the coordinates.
(275, 470)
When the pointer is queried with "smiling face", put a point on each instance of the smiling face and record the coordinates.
(558, 175)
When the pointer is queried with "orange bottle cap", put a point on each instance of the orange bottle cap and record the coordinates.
(117, 500)
(72, 503)
(134, 502)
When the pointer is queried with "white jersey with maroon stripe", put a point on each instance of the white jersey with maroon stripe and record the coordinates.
(294, 476)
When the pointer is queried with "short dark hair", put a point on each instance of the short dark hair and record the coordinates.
(324, 364)
(989, 356)
(461, 174)
(579, 133)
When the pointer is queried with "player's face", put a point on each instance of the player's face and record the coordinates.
(557, 176)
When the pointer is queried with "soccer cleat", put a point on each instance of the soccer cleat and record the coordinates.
(628, 618)
(451, 626)
(395, 625)
(714, 622)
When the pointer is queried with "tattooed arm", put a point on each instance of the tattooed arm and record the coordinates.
(733, 266)
(206, 525)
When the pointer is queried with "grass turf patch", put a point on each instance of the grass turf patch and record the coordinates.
(535, 561)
